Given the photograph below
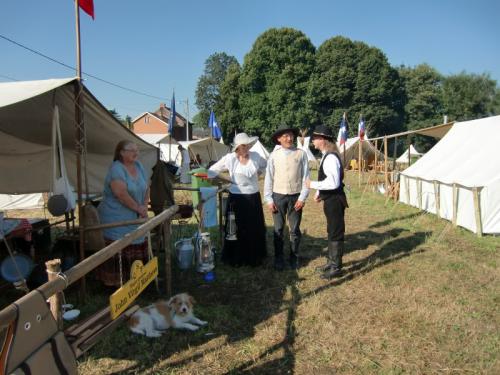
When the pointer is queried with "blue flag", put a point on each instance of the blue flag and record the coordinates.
(344, 127)
(214, 126)
(171, 122)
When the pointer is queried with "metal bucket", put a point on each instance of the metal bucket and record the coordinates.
(184, 250)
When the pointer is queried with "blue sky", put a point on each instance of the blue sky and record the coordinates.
(155, 46)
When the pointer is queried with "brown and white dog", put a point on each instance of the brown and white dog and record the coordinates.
(177, 312)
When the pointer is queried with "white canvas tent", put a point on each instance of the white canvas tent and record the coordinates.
(260, 149)
(403, 159)
(169, 149)
(209, 149)
(21, 201)
(368, 151)
(445, 179)
(303, 144)
(26, 110)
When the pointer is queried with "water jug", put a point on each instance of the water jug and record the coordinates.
(184, 251)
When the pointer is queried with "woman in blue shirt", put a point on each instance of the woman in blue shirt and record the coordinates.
(125, 197)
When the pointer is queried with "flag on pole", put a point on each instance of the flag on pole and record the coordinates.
(344, 128)
(361, 128)
(214, 126)
(171, 121)
(87, 6)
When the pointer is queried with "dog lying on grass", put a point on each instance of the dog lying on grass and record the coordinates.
(177, 312)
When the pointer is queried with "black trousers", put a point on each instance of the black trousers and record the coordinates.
(333, 208)
(286, 212)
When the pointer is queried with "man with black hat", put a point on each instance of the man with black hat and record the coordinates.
(330, 190)
(285, 192)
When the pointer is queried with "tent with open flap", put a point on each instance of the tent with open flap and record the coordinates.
(26, 110)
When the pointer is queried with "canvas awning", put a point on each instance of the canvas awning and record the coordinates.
(26, 110)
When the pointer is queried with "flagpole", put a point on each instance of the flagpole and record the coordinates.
(79, 140)
(346, 137)
(187, 119)
(359, 151)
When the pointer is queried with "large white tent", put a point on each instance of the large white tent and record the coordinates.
(26, 110)
(460, 176)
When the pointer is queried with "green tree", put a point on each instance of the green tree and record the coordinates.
(208, 89)
(116, 115)
(469, 96)
(423, 106)
(274, 81)
(230, 115)
(355, 78)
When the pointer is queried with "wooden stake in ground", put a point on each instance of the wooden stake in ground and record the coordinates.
(53, 269)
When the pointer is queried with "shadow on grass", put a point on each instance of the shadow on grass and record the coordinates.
(390, 252)
(237, 302)
(384, 223)
(234, 305)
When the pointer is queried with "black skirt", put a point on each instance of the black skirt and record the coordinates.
(249, 248)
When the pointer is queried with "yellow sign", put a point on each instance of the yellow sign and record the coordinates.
(140, 277)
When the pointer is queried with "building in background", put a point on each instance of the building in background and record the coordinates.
(157, 123)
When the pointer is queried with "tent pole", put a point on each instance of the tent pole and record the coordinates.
(359, 162)
(386, 172)
(409, 150)
(79, 140)
(477, 211)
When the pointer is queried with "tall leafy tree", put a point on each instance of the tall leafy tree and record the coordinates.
(469, 96)
(208, 89)
(355, 78)
(423, 106)
(230, 115)
(274, 81)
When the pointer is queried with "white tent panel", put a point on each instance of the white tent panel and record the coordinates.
(21, 201)
(368, 150)
(26, 110)
(404, 157)
(304, 145)
(449, 163)
(208, 148)
(260, 149)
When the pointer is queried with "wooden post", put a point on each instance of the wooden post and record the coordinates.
(360, 164)
(419, 193)
(477, 211)
(409, 147)
(168, 257)
(407, 182)
(455, 204)
(53, 268)
(221, 228)
(386, 172)
(437, 198)
(376, 156)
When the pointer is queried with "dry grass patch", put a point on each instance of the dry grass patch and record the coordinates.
(419, 296)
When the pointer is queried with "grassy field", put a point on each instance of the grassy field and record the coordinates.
(418, 296)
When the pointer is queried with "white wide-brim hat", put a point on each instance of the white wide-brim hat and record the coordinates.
(243, 139)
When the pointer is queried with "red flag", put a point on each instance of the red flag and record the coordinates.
(87, 6)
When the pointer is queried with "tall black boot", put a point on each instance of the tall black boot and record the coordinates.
(335, 252)
(329, 259)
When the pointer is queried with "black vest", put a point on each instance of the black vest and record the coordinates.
(321, 176)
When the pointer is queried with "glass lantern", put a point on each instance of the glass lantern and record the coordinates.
(204, 253)
(231, 227)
